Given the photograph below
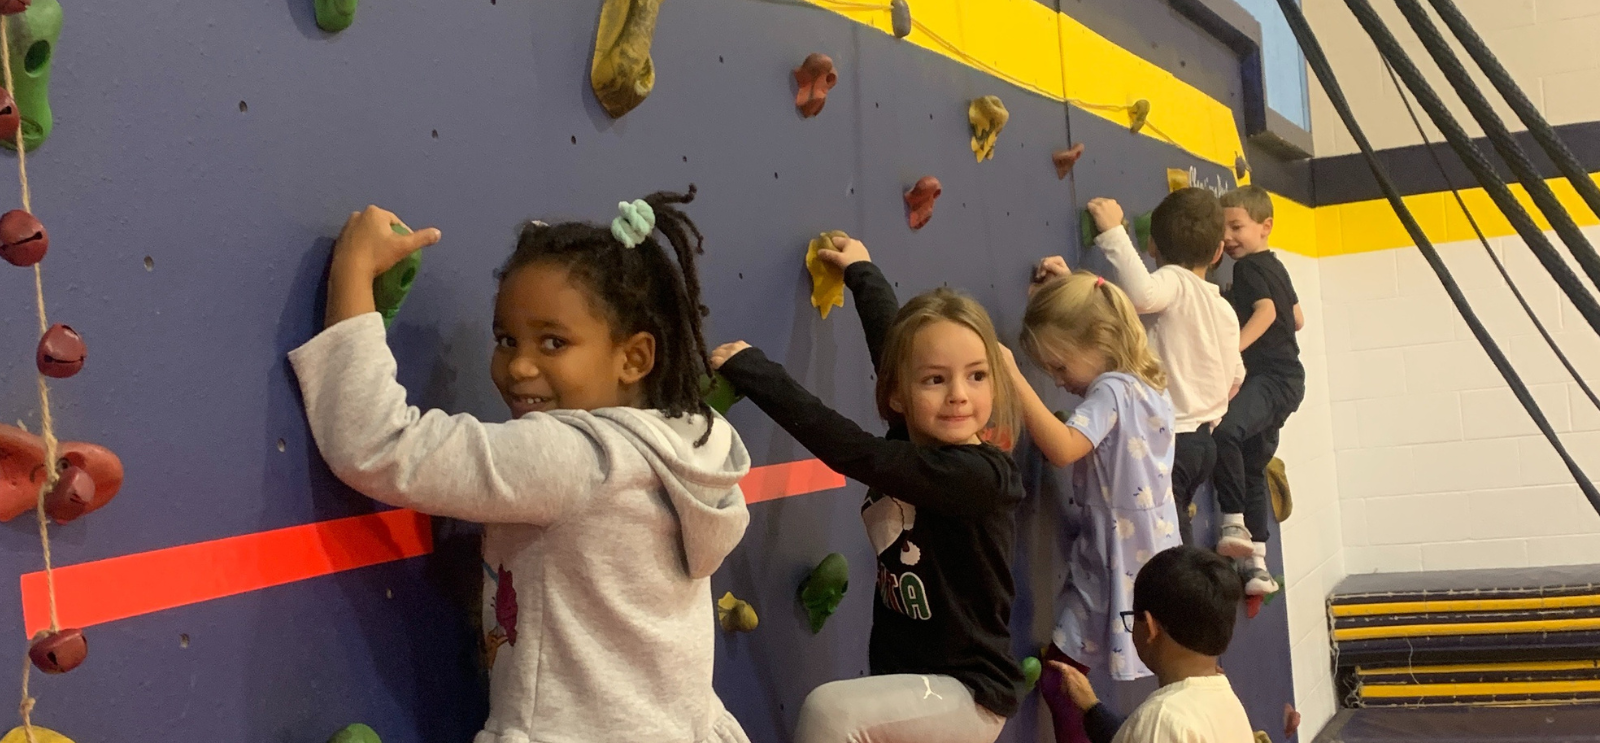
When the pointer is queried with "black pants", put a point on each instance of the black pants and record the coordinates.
(1194, 456)
(1246, 440)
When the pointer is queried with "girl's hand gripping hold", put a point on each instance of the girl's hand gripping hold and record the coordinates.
(368, 246)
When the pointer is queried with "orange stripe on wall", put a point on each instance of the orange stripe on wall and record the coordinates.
(776, 481)
(120, 587)
(103, 591)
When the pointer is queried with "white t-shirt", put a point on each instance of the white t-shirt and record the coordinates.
(1200, 709)
(1192, 329)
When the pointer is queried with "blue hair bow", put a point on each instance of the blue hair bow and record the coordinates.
(634, 222)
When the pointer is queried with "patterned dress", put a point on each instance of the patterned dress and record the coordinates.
(1124, 508)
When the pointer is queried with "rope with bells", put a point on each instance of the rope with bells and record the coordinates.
(45, 421)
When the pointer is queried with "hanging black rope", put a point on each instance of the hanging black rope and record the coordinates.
(1475, 161)
(1319, 65)
(1484, 241)
(1500, 137)
(1541, 130)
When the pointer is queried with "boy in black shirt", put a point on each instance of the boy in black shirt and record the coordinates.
(1274, 384)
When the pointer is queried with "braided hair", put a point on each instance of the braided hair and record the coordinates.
(639, 289)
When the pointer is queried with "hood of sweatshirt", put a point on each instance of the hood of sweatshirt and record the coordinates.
(701, 482)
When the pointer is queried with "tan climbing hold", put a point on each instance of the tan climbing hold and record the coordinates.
(623, 74)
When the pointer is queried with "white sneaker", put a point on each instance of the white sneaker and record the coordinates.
(1235, 541)
(1257, 581)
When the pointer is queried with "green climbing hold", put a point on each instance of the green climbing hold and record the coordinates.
(334, 16)
(32, 35)
(1138, 230)
(1031, 670)
(390, 288)
(356, 733)
(824, 588)
(718, 392)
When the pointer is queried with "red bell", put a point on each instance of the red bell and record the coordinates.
(72, 496)
(11, 7)
(58, 652)
(10, 117)
(23, 241)
(61, 352)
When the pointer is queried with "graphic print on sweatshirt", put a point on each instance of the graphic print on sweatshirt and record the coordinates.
(890, 523)
(504, 614)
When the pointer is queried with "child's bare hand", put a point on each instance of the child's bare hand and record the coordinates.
(369, 244)
(726, 351)
(1077, 686)
(845, 251)
(1048, 270)
(1107, 214)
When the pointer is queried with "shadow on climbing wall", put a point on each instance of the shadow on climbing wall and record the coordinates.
(472, 121)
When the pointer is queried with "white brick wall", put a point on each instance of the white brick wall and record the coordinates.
(1313, 552)
(1547, 46)
(1438, 466)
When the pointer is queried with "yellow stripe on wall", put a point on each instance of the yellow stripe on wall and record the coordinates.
(1035, 48)
(1530, 667)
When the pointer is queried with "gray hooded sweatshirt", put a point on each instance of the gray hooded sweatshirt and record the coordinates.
(602, 530)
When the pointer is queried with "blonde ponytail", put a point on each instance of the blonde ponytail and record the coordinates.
(1084, 312)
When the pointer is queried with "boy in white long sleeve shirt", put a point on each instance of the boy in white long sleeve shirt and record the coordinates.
(1192, 329)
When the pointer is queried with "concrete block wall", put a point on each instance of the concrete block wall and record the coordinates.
(1311, 539)
(1547, 46)
(1438, 466)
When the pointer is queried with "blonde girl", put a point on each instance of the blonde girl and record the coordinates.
(1086, 334)
(939, 513)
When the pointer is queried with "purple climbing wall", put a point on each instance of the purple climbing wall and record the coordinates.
(227, 142)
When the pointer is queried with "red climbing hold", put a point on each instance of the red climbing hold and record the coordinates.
(58, 652)
(61, 352)
(72, 496)
(1065, 159)
(816, 77)
(919, 200)
(23, 241)
(10, 117)
(22, 470)
(12, 7)
(1252, 606)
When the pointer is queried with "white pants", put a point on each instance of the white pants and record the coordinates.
(902, 708)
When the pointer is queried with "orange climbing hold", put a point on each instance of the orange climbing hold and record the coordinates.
(22, 471)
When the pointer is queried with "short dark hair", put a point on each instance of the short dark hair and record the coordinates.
(1187, 227)
(1194, 594)
(638, 289)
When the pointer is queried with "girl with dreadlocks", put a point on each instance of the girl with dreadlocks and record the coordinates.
(609, 498)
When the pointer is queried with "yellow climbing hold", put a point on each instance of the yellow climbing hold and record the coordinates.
(987, 116)
(736, 615)
(827, 281)
(1138, 114)
(622, 73)
(1177, 178)
(40, 735)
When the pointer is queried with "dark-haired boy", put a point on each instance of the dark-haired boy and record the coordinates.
(1247, 438)
(1185, 601)
(1192, 329)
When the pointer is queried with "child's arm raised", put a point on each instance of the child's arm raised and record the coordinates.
(528, 471)
(368, 246)
(959, 480)
(1149, 292)
(1061, 444)
(874, 297)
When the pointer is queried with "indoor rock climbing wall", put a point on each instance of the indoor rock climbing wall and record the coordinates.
(205, 154)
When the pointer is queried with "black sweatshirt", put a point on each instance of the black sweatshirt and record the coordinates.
(940, 518)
